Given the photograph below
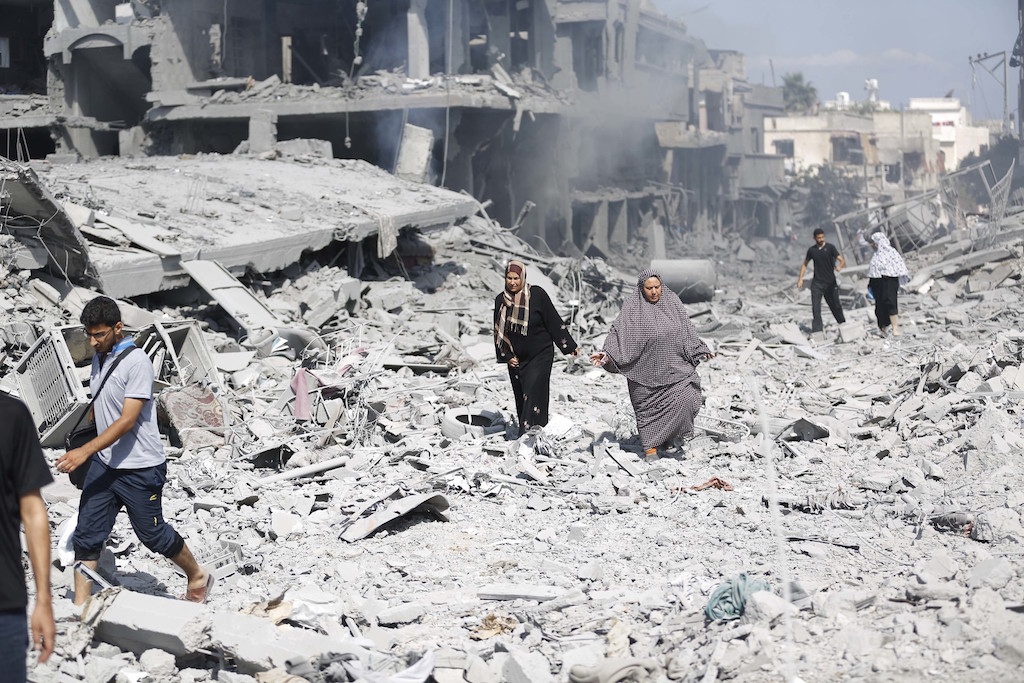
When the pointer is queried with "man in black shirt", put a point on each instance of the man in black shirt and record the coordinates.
(23, 471)
(824, 283)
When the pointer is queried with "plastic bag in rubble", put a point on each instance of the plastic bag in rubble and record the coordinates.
(66, 551)
(417, 673)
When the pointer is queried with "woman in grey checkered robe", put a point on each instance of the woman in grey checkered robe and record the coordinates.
(656, 347)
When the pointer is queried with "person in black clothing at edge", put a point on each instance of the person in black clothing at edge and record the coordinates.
(526, 325)
(23, 471)
(824, 284)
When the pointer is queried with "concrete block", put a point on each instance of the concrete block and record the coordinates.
(448, 675)
(992, 386)
(745, 254)
(79, 215)
(131, 142)
(68, 158)
(283, 523)
(527, 667)
(305, 147)
(257, 644)
(137, 622)
(994, 573)
(766, 607)
(477, 670)
(1013, 377)
(941, 565)
(415, 155)
(234, 677)
(262, 131)
(591, 571)
(401, 614)
(101, 669)
(850, 332)
(588, 655)
(514, 591)
(159, 663)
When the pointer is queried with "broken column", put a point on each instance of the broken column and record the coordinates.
(262, 131)
(419, 43)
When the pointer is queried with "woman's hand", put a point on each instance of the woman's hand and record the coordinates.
(514, 362)
(599, 359)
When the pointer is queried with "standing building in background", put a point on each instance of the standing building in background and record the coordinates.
(952, 128)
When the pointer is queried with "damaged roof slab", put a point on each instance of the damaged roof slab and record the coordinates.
(325, 101)
(241, 212)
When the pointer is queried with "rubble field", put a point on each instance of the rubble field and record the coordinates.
(849, 508)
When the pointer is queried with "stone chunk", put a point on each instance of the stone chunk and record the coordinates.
(101, 668)
(158, 663)
(941, 566)
(138, 622)
(937, 590)
(518, 591)
(401, 614)
(527, 667)
(994, 573)
(765, 606)
(851, 332)
(284, 523)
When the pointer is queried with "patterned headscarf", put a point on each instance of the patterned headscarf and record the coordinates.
(887, 262)
(515, 314)
(654, 344)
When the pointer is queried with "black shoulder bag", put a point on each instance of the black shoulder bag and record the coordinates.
(79, 435)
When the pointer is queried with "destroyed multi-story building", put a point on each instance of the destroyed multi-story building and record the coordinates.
(581, 123)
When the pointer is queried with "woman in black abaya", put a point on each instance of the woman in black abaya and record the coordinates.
(526, 325)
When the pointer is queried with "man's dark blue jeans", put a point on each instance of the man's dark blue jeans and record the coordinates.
(13, 645)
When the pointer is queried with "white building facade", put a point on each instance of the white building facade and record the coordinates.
(951, 126)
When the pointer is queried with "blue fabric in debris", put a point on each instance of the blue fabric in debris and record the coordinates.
(728, 601)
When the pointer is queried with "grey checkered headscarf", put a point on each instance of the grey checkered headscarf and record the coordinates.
(654, 344)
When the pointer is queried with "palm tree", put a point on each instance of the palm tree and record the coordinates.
(799, 96)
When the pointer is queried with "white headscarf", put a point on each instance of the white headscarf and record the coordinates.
(887, 262)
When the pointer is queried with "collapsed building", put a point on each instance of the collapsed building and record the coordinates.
(317, 400)
(582, 124)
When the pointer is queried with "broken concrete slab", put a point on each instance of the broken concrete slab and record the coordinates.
(242, 232)
(433, 503)
(518, 591)
(527, 667)
(128, 622)
(29, 205)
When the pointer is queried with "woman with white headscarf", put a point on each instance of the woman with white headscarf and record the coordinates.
(654, 344)
(526, 327)
(886, 272)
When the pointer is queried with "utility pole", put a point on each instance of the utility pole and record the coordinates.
(980, 59)
(1016, 61)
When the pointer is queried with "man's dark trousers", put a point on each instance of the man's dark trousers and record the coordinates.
(831, 294)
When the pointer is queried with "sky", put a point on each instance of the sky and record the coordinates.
(914, 48)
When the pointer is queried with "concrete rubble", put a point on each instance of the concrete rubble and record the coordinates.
(362, 503)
